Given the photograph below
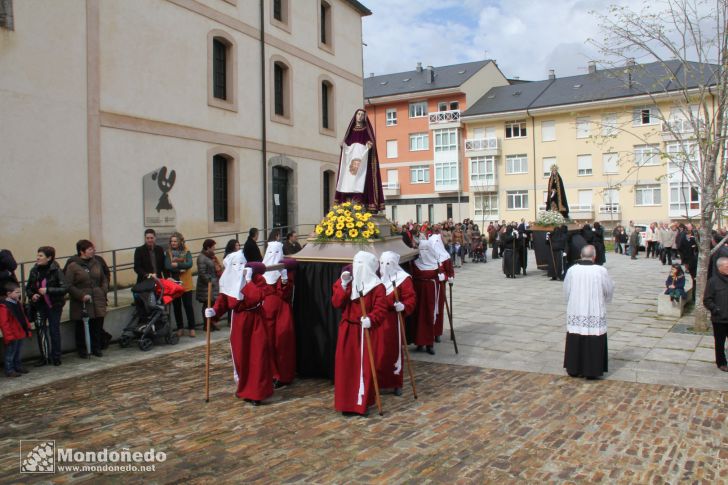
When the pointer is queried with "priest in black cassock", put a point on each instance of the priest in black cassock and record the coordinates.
(587, 288)
(511, 256)
(557, 244)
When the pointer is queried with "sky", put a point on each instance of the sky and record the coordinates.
(525, 37)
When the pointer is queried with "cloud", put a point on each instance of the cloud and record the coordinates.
(525, 37)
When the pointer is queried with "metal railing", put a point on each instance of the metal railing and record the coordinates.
(451, 116)
(609, 208)
(475, 144)
(390, 185)
(122, 259)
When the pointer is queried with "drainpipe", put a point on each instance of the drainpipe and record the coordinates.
(535, 164)
(263, 133)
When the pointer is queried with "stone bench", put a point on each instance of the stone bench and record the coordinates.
(669, 309)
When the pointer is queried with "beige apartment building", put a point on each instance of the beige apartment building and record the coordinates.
(244, 102)
(607, 131)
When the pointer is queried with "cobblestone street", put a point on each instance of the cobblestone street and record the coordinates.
(482, 420)
(470, 425)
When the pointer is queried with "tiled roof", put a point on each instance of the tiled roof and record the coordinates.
(601, 85)
(415, 81)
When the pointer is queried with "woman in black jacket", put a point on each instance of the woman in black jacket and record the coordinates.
(251, 249)
(47, 290)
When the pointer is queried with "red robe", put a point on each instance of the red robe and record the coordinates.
(447, 268)
(281, 333)
(427, 288)
(349, 364)
(385, 338)
(248, 341)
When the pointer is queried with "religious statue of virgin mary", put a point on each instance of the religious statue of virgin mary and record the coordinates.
(359, 180)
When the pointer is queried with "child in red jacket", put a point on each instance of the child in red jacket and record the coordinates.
(15, 328)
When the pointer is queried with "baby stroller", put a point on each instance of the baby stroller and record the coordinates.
(478, 249)
(150, 320)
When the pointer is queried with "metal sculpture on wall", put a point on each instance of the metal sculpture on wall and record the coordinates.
(158, 208)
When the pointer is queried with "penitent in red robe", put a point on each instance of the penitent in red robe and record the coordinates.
(447, 268)
(351, 363)
(281, 332)
(248, 341)
(385, 338)
(427, 288)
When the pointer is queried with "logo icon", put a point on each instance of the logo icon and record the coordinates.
(37, 456)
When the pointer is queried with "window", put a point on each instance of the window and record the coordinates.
(418, 110)
(418, 213)
(391, 148)
(548, 130)
(486, 204)
(393, 178)
(219, 68)
(446, 173)
(220, 188)
(391, 116)
(610, 163)
(431, 212)
(609, 125)
(221, 71)
(517, 199)
(684, 197)
(548, 162)
(683, 158)
(281, 96)
(646, 155)
(420, 174)
(446, 140)
(328, 183)
(442, 106)
(6, 14)
(644, 116)
(280, 14)
(647, 195)
(516, 164)
(583, 127)
(448, 209)
(394, 213)
(584, 164)
(419, 141)
(327, 105)
(516, 129)
(482, 171)
(611, 197)
(585, 199)
(454, 105)
(325, 31)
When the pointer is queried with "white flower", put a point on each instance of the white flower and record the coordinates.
(550, 218)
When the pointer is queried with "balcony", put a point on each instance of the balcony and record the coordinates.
(487, 183)
(391, 189)
(446, 186)
(609, 212)
(478, 147)
(582, 212)
(445, 119)
(680, 129)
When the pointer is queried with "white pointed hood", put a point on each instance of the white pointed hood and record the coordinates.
(364, 271)
(441, 253)
(273, 255)
(391, 271)
(232, 279)
(427, 260)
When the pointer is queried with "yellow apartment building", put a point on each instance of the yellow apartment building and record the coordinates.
(614, 134)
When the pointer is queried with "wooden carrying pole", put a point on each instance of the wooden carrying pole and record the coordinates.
(371, 357)
(404, 343)
(449, 317)
(207, 345)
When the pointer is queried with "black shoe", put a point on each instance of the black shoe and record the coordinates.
(56, 362)
(397, 391)
(41, 363)
(12, 373)
(97, 353)
(430, 350)
(437, 339)
(83, 355)
(419, 348)
(278, 384)
(22, 370)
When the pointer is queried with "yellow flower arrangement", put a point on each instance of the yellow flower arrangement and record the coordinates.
(346, 222)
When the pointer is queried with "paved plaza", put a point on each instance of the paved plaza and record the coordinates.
(500, 411)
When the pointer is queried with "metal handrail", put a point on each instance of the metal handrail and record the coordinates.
(115, 267)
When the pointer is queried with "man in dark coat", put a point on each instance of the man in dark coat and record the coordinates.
(510, 242)
(251, 251)
(557, 243)
(688, 249)
(8, 265)
(576, 244)
(599, 243)
(149, 258)
(715, 300)
(524, 238)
